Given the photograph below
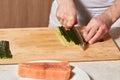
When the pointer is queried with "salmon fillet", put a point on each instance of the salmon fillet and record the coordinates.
(45, 70)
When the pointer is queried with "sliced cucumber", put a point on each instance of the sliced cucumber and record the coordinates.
(62, 38)
(70, 35)
(4, 50)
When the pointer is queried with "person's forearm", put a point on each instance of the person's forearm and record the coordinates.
(63, 1)
(114, 11)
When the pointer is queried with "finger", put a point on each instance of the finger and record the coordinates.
(61, 21)
(91, 33)
(65, 24)
(89, 26)
(60, 18)
(69, 23)
(97, 36)
(101, 37)
(84, 35)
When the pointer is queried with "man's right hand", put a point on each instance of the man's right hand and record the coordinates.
(66, 13)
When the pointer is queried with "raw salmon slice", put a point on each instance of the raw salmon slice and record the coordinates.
(45, 70)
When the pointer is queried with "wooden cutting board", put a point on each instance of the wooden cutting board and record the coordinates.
(29, 44)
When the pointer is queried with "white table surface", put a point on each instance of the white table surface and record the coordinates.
(102, 70)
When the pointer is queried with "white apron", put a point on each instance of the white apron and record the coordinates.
(86, 9)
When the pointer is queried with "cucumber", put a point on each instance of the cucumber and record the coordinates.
(62, 38)
(63, 32)
(4, 50)
(74, 36)
(71, 35)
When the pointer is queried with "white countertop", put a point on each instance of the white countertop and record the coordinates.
(102, 70)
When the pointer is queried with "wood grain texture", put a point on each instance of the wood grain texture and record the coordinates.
(28, 44)
(24, 13)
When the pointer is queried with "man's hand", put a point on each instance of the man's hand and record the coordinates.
(97, 28)
(66, 13)
(100, 25)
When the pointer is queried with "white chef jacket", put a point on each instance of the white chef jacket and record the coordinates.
(86, 9)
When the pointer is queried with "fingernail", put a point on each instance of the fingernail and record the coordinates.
(70, 23)
(90, 42)
(84, 34)
(87, 40)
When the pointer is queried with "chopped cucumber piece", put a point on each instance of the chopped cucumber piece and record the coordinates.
(66, 36)
(4, 50)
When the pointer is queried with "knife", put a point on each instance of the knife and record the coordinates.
(80, 37)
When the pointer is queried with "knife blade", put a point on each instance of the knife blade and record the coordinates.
(80, 37)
